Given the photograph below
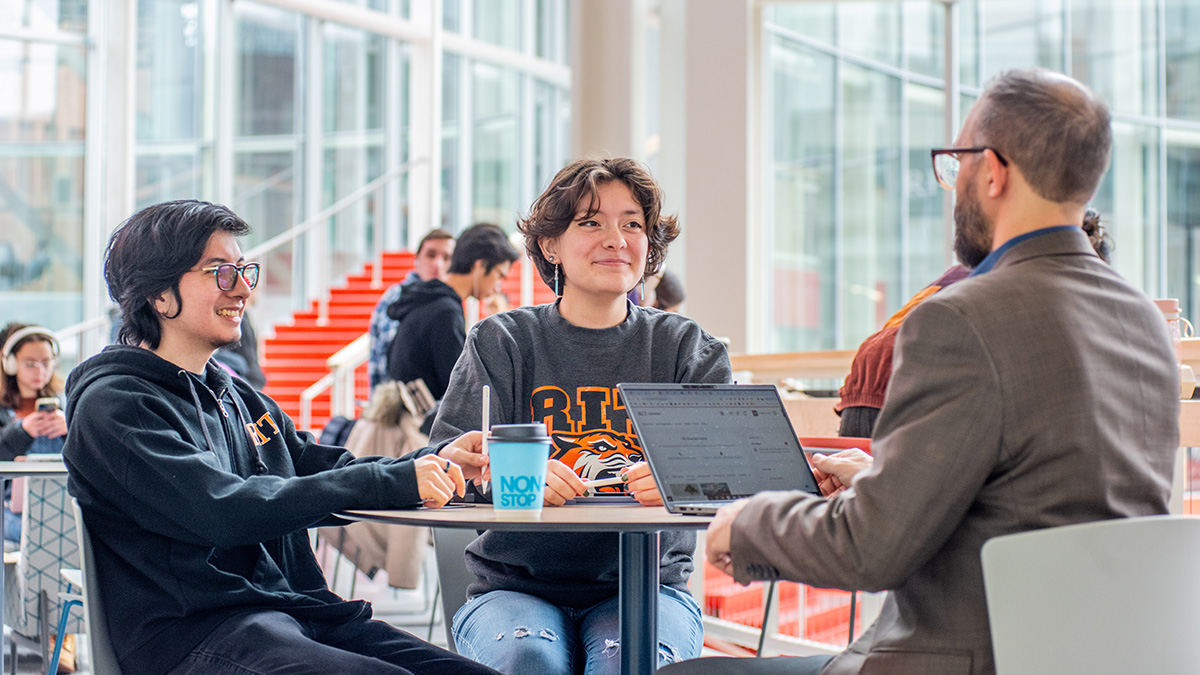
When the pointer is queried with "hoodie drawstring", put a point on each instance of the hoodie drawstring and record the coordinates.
(259, 466)
(199, 411)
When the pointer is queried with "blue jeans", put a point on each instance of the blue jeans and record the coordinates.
(517, 633)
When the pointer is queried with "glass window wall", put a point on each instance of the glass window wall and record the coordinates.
(849, 245)
(232, 115)
(42, 129)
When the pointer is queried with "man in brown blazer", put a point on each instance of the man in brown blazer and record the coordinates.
(1041, 391)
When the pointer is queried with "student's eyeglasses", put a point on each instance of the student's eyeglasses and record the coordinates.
(227, 274)
(39, 365)
(946, 163)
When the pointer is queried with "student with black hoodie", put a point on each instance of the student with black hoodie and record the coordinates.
(198, 490)
(432, 330)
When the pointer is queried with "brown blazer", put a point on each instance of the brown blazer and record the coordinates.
(1042, 393)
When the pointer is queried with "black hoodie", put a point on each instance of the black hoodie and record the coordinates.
(429, 337)
(198, 491)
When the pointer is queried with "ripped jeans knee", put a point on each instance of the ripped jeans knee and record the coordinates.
(521, 632)
(666, 653)
(515, 633)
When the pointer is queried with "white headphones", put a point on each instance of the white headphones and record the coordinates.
(10, 345)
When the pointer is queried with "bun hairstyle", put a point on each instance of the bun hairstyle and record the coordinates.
(1097, 234)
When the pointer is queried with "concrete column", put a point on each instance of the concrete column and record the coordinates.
(725, 274)
(608, 89)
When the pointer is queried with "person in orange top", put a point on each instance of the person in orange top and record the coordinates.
(861, 395)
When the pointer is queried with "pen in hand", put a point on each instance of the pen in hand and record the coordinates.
(603, 482)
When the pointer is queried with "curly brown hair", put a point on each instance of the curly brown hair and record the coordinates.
(553, 211)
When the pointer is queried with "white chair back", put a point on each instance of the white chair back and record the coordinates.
(103, 658)
(1115, 596)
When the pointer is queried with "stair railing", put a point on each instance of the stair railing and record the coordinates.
(322, 218)
(342, 365)
(92, 327)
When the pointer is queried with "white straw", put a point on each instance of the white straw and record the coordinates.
(487, 422)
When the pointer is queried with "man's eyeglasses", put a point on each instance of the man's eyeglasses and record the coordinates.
(227, 274)
(946, 163)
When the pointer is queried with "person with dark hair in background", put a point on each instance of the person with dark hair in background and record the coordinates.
(594, 234)
(198, 490)
(862, 393)
(241, 357)
(430, 325)
(668, 293)
(1041, 391)
(432, 261)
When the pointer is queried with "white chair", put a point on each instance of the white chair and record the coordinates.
(103, 658)
(453, 577)
(1115, 596)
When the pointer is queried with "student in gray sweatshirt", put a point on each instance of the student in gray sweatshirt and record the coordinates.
(547, 602)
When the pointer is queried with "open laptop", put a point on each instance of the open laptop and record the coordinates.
(711, 444)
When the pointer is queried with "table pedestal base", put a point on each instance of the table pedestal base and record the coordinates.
(639, 603)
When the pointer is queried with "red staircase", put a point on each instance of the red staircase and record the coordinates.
(826, 612)
(296, 356)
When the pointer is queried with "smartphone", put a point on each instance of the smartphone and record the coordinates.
(47, 404)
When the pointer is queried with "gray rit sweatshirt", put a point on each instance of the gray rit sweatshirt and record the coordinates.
(543, 369)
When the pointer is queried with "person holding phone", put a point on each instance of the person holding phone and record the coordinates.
(31, 418)
(31, 422)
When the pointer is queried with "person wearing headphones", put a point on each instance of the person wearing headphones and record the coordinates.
(29, 423)
(30, 356)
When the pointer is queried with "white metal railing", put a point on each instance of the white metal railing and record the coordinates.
(96, 323)
(322, 218)
(340, 377)
(81, 328)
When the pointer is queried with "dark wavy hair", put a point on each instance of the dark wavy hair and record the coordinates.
(148, 255)
(553, 211)
(481, 241)
(1097, 234)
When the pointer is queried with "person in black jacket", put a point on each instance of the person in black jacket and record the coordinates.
(198, 490)
(432, 328)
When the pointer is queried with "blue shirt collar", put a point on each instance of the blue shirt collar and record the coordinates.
(990, 261)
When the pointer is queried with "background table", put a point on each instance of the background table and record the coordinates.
(8, 471)
(638, 526)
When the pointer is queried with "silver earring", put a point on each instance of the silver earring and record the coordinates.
(556, 293)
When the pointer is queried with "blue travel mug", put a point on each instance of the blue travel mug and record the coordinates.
(518, 454)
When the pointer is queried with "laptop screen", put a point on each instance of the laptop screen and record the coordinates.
(717, 442)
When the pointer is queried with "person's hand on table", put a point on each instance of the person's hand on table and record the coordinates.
(835, 472)
(640, 484)
(467, 452)
(438, 480)
(718, 541)
(561, 484)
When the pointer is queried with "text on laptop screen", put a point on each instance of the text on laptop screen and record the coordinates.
(709, 443)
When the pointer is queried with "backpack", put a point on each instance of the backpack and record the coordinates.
(336, 431)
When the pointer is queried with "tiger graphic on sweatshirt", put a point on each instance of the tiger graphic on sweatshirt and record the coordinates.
(589, 429)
